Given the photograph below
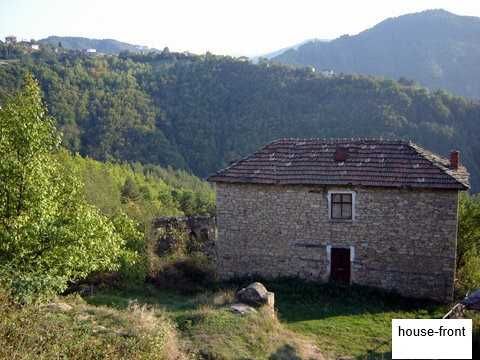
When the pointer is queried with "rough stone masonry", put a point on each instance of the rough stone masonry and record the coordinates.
(400, 240)
(274, 214)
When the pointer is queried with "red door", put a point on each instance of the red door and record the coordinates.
(340, 265)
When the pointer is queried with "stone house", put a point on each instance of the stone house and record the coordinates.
(379, 213)
(10, 39)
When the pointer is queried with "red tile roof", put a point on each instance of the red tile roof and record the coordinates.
(369, 162)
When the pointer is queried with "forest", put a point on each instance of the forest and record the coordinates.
(201, 112)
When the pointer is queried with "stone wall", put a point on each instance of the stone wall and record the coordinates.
(184, 235)
(401, 240)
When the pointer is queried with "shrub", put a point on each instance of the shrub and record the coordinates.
(469, 274)
(133, 262)
(468, 225)
(130, 191)
(186, 275)
(468, 248)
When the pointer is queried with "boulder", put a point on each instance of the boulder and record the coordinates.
(254, 294)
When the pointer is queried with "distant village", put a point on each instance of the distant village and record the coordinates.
(32, 45)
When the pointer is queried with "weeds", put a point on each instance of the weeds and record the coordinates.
(75, 330)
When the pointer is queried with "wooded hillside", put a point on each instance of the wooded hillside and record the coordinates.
(201, 112)
(434, 47)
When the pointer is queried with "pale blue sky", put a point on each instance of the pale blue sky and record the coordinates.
(244, 27)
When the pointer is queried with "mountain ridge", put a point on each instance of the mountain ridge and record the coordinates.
(107, 46)
(275, 53)
(437, 48)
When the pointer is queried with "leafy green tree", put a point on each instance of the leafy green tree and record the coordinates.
(468, 225)
(134, 263)
(49, 235)
(185, 200)
(130, 191)
(468, 246)
(146, 193)
(469, 273)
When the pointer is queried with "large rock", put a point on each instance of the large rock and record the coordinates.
(254, 294)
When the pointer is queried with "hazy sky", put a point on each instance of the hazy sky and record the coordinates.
(243, 27)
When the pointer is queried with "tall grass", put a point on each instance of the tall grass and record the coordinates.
(72, 329)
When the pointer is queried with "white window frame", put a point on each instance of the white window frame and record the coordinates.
(329, 197)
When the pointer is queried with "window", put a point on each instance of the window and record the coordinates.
(341, 206)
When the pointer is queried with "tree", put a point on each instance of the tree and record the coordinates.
(468, 225)
(130, 191)
(468, 246)
(49, 235)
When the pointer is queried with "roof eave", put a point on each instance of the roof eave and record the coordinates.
(457, 187)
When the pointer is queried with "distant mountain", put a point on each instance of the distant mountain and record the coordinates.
(107, 46)
(434, 47)
(273, 54)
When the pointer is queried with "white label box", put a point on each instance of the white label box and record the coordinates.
(431, 339)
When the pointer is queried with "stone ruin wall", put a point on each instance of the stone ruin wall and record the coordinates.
(187, 234)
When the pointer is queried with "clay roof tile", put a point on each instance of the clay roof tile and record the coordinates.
(368, 162)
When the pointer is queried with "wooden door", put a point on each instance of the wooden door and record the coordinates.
(340, 265)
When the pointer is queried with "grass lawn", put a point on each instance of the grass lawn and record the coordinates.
(347, 321)
(350, 321)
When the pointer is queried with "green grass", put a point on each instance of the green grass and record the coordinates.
(174, 303)
(350, 321)
(208, 330)
(347, 321)
(82, 331)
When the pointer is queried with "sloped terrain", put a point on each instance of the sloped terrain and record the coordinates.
(436, 48)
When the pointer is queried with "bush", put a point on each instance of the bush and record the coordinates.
(468, 247)
(469, 273)
(130, 191)
(186, 275)
(133, 262)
